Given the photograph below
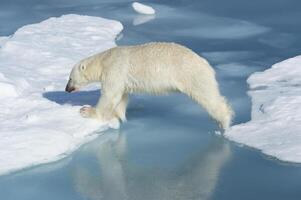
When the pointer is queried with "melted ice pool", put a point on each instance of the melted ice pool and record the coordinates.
(168, 149)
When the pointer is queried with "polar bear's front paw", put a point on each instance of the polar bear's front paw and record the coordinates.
(88, 112)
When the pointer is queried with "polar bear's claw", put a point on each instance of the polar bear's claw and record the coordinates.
(87, 112)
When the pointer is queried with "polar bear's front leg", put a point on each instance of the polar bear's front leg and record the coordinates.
(105, 108)
(120, 110)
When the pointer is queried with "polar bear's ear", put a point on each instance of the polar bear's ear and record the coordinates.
(82, 67)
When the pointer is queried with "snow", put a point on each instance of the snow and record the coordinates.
(39, 122)
(7, 89)
(275, 126)
(143, 9)
(2, 40)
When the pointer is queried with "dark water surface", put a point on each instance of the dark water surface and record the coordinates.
(168, 149)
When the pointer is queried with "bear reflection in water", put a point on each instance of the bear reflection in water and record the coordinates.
(117, 178)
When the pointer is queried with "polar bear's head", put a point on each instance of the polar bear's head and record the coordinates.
(78, 76)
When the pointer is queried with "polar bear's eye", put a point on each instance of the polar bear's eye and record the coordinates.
(82, 67)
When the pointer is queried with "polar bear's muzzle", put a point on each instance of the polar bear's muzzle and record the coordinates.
(69, 87)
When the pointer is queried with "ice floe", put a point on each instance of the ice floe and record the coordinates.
(275, 125)
(2, 40)
(143, 9)
(39, 122)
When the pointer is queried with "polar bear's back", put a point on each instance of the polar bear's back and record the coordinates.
(167, 57)
(162, 52)
(161, 65)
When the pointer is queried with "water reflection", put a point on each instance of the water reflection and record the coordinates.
(141, 19)
(116, 177)
(110, 184)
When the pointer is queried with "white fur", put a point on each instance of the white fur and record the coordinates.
(153, 68)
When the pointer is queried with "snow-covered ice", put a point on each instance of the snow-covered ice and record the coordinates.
(39, 122)
(275, 126)
(2, 40)
(143, 9)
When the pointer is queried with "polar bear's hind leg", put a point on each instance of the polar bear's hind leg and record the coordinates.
(204, 90)
(216, 105)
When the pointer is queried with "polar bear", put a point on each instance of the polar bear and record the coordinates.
(152, 68)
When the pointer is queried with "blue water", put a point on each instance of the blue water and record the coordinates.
(168, 149)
